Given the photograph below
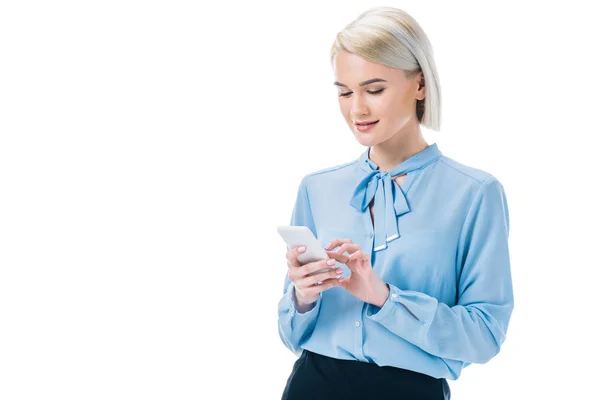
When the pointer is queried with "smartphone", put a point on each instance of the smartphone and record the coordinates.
(303, 236)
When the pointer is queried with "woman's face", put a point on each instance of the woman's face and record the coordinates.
(392, 101)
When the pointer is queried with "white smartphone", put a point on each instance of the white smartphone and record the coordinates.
(303, 236)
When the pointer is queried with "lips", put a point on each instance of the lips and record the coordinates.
(365, 126)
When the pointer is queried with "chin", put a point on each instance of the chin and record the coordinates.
(367, 139)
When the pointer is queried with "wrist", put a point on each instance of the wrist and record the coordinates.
(300, 304)
(385, 293)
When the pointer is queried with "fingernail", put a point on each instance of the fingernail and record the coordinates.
(339, 271)
(301, 249)
(328, 245)
(331, 262)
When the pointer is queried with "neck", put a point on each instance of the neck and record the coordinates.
(395, 150)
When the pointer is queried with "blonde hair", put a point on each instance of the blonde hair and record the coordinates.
(391, 37)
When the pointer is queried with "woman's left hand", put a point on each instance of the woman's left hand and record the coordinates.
(363, 283)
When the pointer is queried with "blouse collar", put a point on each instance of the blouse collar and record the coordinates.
(390, 201)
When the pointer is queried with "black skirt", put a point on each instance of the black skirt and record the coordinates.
(316, 377)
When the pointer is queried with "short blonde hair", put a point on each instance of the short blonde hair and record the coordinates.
(391, 37)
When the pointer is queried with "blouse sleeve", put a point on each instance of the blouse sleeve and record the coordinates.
(473, 330)
(295, 327)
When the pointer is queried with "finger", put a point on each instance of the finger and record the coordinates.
(321, 277)
(294, 273)
(348, 247)
(315, 266)
(359, 255)
(343, 283)
(297, 273)
(342, 258)
(361, 260)
(292, 256)
(315, 289)
(336, 242)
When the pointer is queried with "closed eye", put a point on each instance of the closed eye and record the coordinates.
(349, 93)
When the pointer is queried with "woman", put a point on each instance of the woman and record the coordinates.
(419, 285)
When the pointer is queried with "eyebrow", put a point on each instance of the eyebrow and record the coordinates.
(362, 83)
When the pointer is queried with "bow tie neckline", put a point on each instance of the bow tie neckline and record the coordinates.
(390, 200)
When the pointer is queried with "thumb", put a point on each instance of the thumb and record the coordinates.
(344, 283)
(361, 262)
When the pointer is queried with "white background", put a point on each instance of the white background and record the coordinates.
(148, 150)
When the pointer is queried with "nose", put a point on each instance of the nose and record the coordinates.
(358, 106)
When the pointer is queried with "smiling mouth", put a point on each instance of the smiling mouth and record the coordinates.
(364, 128)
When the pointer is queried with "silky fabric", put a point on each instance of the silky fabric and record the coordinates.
(388, 196)
(448, 269)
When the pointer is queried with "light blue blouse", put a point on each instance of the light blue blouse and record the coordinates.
(439, 240)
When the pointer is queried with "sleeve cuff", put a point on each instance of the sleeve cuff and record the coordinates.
(411, 307)
(378, 313)
(297, 315)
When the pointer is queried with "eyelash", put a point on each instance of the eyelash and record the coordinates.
(349, 93)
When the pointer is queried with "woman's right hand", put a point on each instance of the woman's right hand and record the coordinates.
(306, 286)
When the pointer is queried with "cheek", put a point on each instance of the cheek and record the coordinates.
(345, 109)
(382, 105)
(404, 105)
(396, 110)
